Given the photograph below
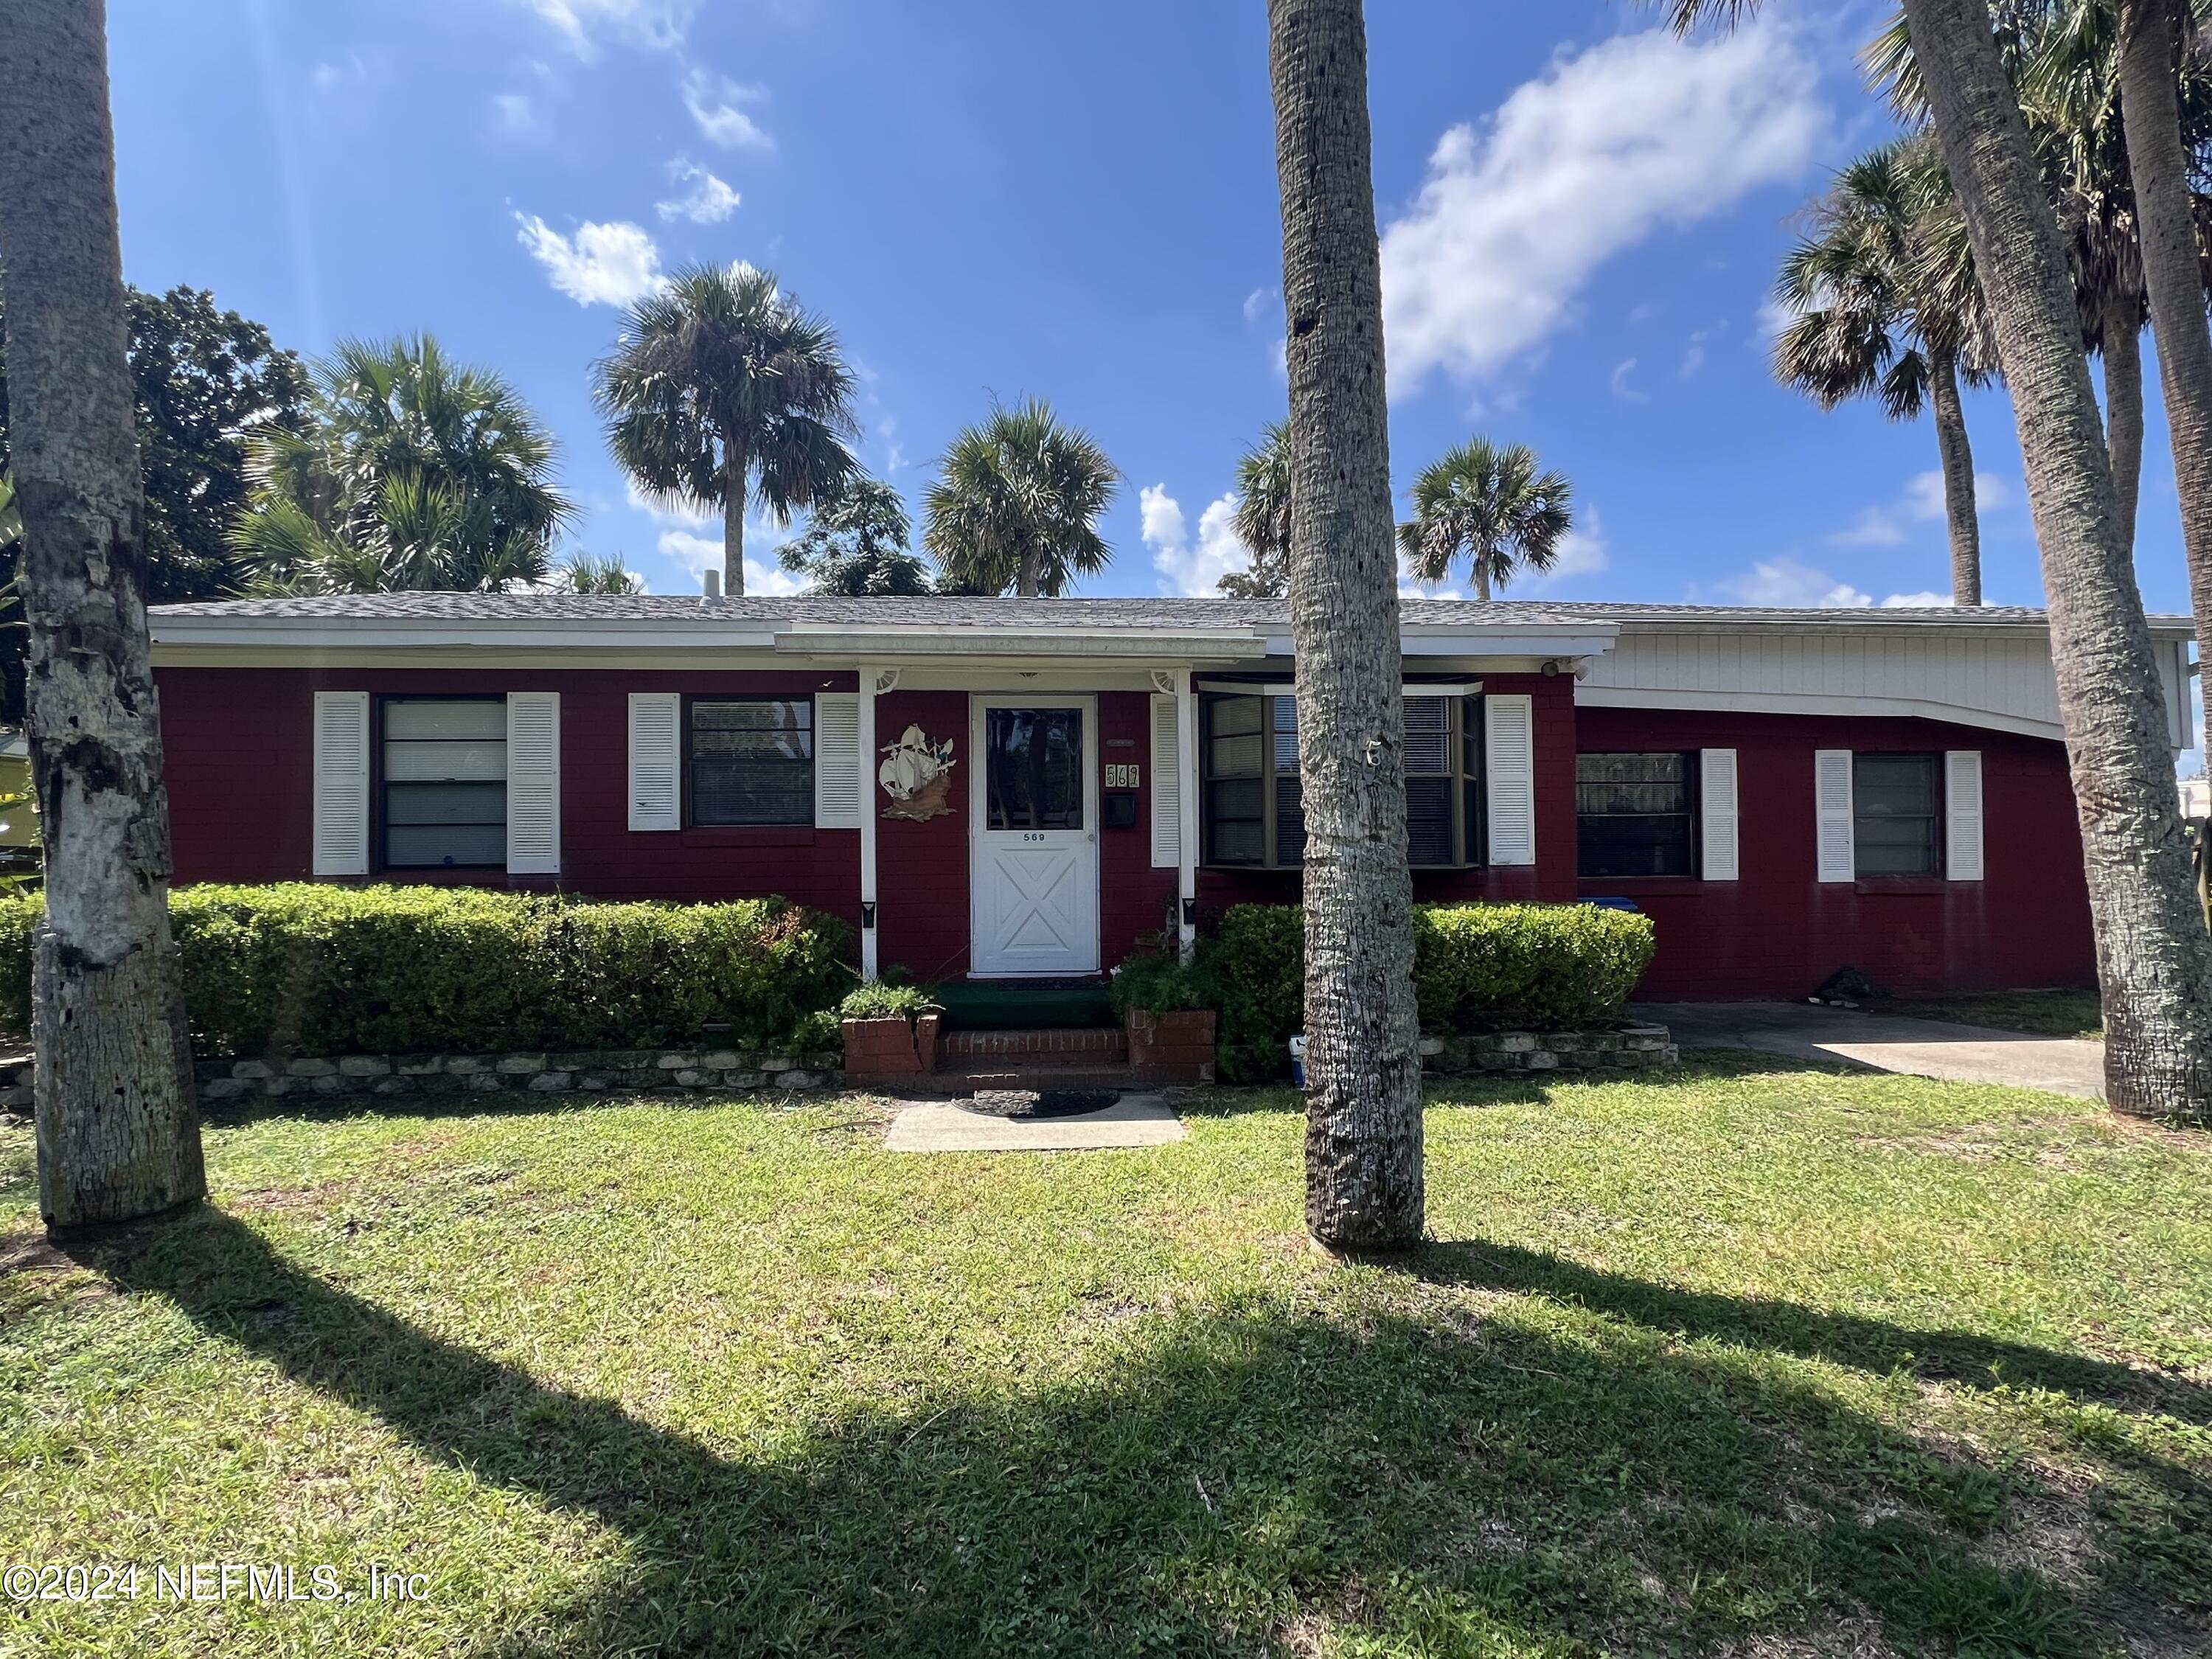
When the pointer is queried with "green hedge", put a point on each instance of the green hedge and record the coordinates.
(317, 970)
(1476, 967)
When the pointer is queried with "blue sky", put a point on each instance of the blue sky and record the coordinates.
(1581, 216)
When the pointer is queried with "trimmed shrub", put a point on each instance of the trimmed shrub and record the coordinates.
(1160, 985)
(882, 1001)
(1476, 968)
(305, 968)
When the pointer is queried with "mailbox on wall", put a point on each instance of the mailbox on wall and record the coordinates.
(1120, 807)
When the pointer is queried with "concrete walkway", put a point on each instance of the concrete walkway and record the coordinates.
(1923, 1048)
(948, 1126)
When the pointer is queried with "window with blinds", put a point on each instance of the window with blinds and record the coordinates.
(444, 783)
(752, 760)
(1896, 814)
(1636, 814)
(1252, 806)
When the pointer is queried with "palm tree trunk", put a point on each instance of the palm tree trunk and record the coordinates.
(2123, 415)
(1482, 576)
(2153, 952)
(1028, 573)
(733, 519)
(1958, 457)
(119, 1132)
(2158, 166)
(1363, 1181)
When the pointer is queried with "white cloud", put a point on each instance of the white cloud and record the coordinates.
(334, 80)
(657, 25)
(1621, 389)
(713, 100)
(602, 264)
(1638, 133)
(1184, 569)
(1920, 502)
(1774, 316)
(514, 116)
(691, 535)
(705, 201)
(1792, 586)
(1257, 301)
(1582, 552)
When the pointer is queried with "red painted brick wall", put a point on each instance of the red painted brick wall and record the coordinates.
(240, 745)
(922, 869)
(238, 755)
(1779, 932)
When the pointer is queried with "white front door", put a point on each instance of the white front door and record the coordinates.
(1033, 822)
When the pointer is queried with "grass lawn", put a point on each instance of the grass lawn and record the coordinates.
(1752, 1361)
(2046, 1013)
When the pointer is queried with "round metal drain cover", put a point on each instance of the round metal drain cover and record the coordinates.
(1042, 1103)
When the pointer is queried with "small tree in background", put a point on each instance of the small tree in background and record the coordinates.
(413, 472)
(1884, 303)
(1263, 517)
(1486, 503)
(720, 390)
(856, 546)
(1017, 503)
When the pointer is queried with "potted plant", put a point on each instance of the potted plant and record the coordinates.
(889, 1031)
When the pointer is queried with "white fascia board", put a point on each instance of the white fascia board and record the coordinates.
(1151, 645)
(329, 633)
(1488, 645)
(1812, 702)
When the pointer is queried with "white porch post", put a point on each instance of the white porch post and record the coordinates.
(1187, 833)
(868, 673)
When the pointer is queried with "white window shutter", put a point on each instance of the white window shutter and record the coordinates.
(656, 793)
(1167, 786)
(1509, 779)
(1831, 807)
(1717, 807)
(533, 783)
(1962, 814)
(837, 761)
(341, 829)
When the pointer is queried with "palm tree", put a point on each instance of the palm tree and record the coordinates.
(584, 573)
(2064, 56)
(1486, 502)
(1263, 517)
(1364, 1177)
(856, 546)
(119, 1133)
(2161, 161)
(720, 386)
(2154, 955)
(1883, 301)
(413, 471)
(1017, 504)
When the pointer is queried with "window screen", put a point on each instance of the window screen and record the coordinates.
(444, 783)
(752, 760)
(1253, 804)
(1634, 814)
(1897, 806)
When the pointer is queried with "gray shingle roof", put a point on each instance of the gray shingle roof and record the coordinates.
(936, 612)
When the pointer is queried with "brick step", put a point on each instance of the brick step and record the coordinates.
(1068, 1046)
(967, 1079)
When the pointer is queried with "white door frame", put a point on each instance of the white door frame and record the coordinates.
(980, 833)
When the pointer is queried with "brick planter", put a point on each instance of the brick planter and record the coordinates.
(1173, 1048)
(890, 1050)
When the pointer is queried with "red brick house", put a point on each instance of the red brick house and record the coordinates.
(997, 787)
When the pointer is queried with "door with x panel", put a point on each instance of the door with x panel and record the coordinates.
(1034, 832)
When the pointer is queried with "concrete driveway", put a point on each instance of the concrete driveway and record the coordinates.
(1923, 1048)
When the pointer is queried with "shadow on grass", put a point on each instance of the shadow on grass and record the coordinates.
(1255, 1478)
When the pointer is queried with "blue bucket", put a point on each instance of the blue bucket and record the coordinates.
(1298, 1060)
